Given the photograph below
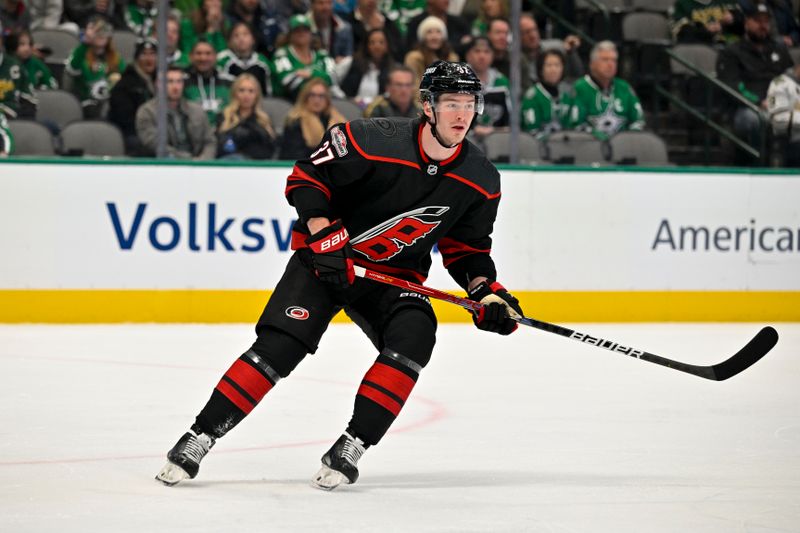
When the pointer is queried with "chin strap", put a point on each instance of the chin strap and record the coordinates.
(433, 131)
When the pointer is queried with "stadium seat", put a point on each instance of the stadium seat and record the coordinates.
(348, 108)
(702, 56)
(638, 148)
(644, 27)
(31, 138)
(659, 6)
(498, 147)
(59, 107)
(277, 109)
(575, 148)
(125, 43)
(60, 42)
(93, 137)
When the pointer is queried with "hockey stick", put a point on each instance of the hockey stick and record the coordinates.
(754, 350)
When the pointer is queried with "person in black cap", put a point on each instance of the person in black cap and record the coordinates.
(135, 87)
(748, 66)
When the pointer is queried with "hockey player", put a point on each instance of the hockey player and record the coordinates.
(399, 186)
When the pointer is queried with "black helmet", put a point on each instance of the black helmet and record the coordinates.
(450, 77)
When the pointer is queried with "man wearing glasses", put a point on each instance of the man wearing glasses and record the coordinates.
(379, 193)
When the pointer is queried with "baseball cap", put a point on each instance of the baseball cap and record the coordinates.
(299, 21)
(754, 9)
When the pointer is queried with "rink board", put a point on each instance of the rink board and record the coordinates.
(144, 242)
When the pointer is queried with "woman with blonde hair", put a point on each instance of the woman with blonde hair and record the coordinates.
(245, 130)
(431, 45)
(308, 120)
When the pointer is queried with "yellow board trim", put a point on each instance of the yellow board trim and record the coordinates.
(221, 306)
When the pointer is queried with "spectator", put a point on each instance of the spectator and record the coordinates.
(241, 57)
(784, 25)
(16, 92)
(46, 15)
(432, 45)
(20, 43)
(204, 85)
(403, 11)
(308, 120)
(783, 106)
(369, 71)
(14, 15)
(344, 8)
(297, 62)
(265, 18)
(93, 68)
(333, 32)
(135, 87)
(208, 24)
(604, 104)
(706, 21)
(82, 11)
(399, 100)
(546, 105)
(6, 138)
(189, 135)
(498, 34)
(748, 66)
(245, 131)
(175, 56)
(495, 88)
(140, 17)
(457, 28)
(531, 44)
(367, 17)
(490, 9)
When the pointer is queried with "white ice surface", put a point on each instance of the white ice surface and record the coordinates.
(528, 433)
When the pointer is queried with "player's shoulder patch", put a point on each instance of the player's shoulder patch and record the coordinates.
(339, 140)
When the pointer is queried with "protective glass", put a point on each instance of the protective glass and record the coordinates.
(450, 106)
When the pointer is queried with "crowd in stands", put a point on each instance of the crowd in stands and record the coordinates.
(228, 57)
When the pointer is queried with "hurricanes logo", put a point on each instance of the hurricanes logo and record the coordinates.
(388, 239)
(298, 313)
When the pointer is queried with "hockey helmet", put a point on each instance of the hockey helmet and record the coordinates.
(450, 77)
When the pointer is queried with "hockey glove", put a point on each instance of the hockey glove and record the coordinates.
(498, 307)
(332, 255)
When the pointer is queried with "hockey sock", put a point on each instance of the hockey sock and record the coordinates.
(382, 394)
(248, 380)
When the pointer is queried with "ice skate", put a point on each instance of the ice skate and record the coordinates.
(339, 464)
(183, 460)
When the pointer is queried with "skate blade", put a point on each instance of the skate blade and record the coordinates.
(171, 474)
(328, 479)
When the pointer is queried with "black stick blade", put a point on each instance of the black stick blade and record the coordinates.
(757, 348)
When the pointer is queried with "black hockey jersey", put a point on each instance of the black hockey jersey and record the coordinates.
(396, 202)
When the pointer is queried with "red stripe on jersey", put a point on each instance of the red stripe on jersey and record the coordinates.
(455, 154)
(453, 250)
(234, 396)
(290, 188)
(377, 157)
(390, 379)
(425, 156)
(399, 272)
(249, 379)
(478, 188)
(380, 398)
(299, 175)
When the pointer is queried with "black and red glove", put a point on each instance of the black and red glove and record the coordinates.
(332, 255)
(498, 308)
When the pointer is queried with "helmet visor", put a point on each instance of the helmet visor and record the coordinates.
(476, 106)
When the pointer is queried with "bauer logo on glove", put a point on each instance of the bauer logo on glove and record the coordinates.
(332, 255)
(499, 308)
